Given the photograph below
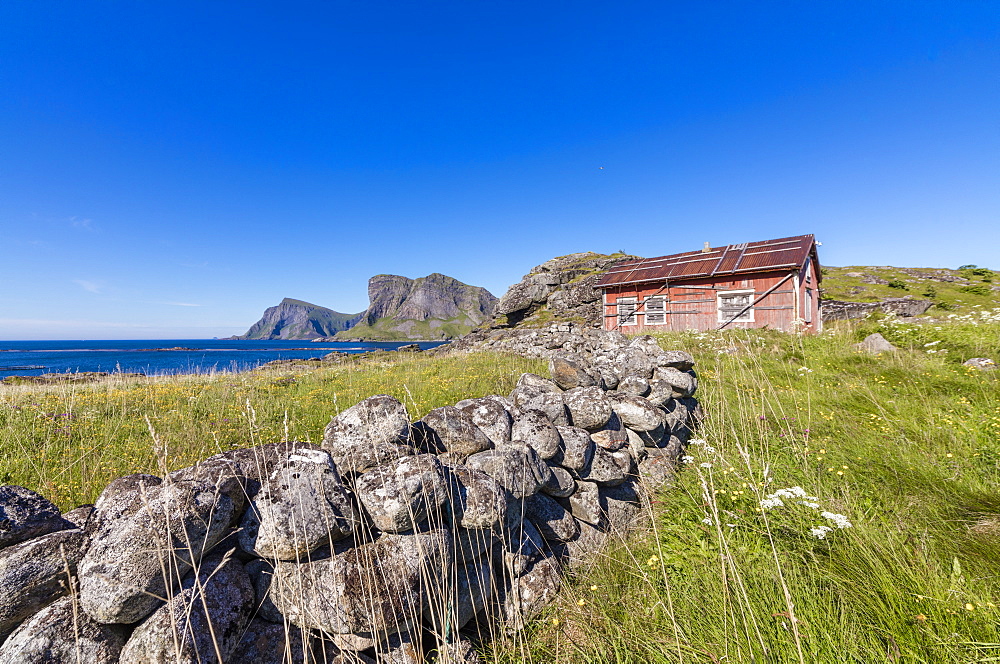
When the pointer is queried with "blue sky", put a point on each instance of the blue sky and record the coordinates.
(168, 170)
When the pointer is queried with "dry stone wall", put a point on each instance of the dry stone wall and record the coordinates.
(394, 541)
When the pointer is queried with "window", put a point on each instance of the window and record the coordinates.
(655, 308)
(626, 310)
(809, 306)
(732, 303)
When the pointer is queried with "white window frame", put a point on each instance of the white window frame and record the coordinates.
(808, 313)
(632, 318)
(746, 317)
(661, 314)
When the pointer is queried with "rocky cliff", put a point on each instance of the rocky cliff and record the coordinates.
(295, 319)
(432, 307)
(559, 290)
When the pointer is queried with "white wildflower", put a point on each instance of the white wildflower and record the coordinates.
(687, 458)
(933, 343)
(705, 465)
(838, 520)
(768, 503)
(707, 521)
(814, 506)
(704, 445)
(820, 531)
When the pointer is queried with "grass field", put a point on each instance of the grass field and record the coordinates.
(901, 451)
(68, 441)
(904, 447)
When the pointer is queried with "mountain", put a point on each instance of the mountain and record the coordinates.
(295, 319)
(432, 307)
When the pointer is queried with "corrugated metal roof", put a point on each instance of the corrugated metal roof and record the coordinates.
(786, 252)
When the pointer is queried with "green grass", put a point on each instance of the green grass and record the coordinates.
(906, 446)
(68, 441)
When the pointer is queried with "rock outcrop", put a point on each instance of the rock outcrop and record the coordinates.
(900, 306)
(382, 546)
(432, 307)
(295, 319)
(560, 289)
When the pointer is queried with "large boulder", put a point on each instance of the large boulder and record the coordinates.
(530, 591)
(25, 514)
(562, 484)
(63, 633)
(459, 602)
(682, 383)
(302, 506)
(124, 496)
(269, 643)
(135, 560)
(634, 385)
(368, 434)
(478, 500)
(404, 493)
(657, 470)
(374, 590)
(529, 385)
(515, 466)
(678, 359)
(490, 415)
(589, 408)
(202, 624)
(456, 432)
(633, 361)
(646, 344)
(874, 344)
(553, 521)
(612, 436)
(471, 544)
(585, 504)
(603, 468)
(660, 392)
(534, 428)
(550, 403)
(522, 545)
(636, 413)
(577, 450)
(37, 572)
(570, 372)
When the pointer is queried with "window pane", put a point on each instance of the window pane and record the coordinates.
(735, 307)
(626, 311)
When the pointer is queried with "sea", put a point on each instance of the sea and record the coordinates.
(165, 356)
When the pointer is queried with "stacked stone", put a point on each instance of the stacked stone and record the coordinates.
(394, 541)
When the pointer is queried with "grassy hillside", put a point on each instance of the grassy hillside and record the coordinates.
(903, 447)
(950, 290)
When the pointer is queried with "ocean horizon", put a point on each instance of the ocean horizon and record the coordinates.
(155, 357)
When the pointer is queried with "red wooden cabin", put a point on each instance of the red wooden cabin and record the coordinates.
(774, 283)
